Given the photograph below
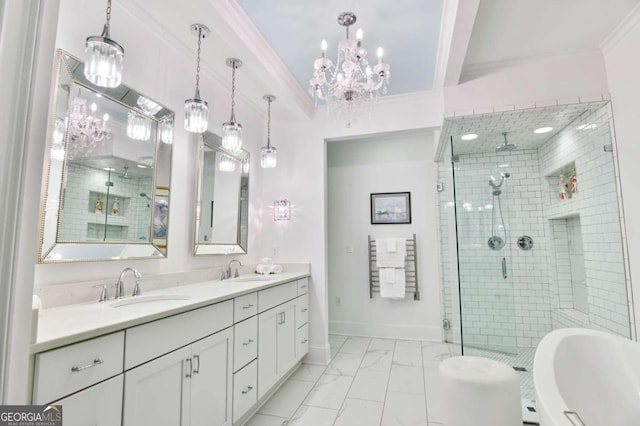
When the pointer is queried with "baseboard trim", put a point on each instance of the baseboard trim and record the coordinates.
(318, 355)
(387, 331)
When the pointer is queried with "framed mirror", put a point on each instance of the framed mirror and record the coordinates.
(108, 181)
(222, 199)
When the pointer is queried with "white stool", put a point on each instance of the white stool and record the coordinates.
(479, 392)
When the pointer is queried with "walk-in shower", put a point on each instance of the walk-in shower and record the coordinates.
(502, 293)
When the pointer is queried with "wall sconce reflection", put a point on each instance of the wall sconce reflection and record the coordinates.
(281, 209)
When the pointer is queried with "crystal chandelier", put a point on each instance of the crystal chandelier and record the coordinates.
(57, 148)
(351, 82)
(232, 130)
(268, 153)
(196, 111)
(104, 57)
(86, 130)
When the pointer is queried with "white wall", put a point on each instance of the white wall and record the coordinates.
(623, 68)
(357, 168)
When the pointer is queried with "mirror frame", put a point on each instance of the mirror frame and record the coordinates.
(69, 70)
(240, 246)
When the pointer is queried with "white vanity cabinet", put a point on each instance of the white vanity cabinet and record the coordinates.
(99, 405)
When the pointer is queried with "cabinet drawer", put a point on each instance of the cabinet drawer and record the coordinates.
(99, 405)
(245, 306)
(245, 342)
(66, 370)
(302, 310)
(275, 296)
(245, 390)
(151, 340)
(303, 286)
(302, 342)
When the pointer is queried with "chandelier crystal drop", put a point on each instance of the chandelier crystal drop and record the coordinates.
(86, 130)
(138, 126)
(232, 130)
(352, 82)
(196, 111)
(268, 154)
(104, 57)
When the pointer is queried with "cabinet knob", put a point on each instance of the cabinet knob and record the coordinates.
(247, 390)
(304, 310)
(304, 341)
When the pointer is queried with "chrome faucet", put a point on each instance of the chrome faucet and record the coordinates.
(120, 283)
(228, 274)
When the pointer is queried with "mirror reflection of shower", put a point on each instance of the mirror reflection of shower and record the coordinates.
(497, 242)
(142, 194)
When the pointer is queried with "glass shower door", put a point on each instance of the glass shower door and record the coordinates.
(488, 320)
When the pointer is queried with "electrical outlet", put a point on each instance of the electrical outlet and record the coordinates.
(338, 300)
(276, 252)
(349, 248)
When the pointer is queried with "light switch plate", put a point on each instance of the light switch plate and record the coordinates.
(349, 248)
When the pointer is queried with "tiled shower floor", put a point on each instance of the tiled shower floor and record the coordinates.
(382, 382)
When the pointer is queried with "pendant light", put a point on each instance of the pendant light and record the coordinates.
(196, 111)
(232, 130)
(268, 153)
(104, 57)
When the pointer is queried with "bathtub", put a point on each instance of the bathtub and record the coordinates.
(587, 377)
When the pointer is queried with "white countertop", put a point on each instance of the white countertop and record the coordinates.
(73, 323)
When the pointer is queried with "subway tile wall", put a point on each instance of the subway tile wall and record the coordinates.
(79, 222)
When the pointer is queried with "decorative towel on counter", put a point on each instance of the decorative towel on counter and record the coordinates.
(387, 259)
(264, 269)
(392, 283)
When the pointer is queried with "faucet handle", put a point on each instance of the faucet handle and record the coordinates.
(104, 294)
(237, 274)
(136, 289)
(223, 275)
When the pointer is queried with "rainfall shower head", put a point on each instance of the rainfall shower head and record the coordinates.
(125, 175)
(506, 146)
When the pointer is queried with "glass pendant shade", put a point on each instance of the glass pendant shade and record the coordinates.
(196, 115)
(166, 131)
(226, 163)
(138, 127)
(104, 61)
(268, 157)
(232, 136)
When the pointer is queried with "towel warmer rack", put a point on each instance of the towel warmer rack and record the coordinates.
(410, 268)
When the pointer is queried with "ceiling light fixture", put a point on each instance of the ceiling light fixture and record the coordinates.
(232, 130)
(469, 137)
(351, 82)
(196, 111)
(227, 164)
(589, 126)
(268, 154)
(104, 57)
(86, 130)
(138, 126)
(543, 130)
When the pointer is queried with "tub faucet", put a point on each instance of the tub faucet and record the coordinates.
(120, 283)
(237, 274)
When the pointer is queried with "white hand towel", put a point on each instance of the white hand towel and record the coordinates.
(263, 269)
(392, 245)
(384, 259)
(395, 290)
(390, 275)
(276, 269)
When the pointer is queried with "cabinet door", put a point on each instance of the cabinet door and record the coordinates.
(99, 405)
(267, 350)
(286, 337)
(157, 393)
(211, 384)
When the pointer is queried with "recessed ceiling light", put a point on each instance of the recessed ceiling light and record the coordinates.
(142, 166)
(469, 137)
(587, 126)
(543, 130)
(109, 169)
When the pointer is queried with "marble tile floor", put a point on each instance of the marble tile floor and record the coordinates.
(369, 381)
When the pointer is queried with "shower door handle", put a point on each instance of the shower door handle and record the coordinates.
(504, 268)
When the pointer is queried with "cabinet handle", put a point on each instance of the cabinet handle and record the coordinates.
(197, 369)
(284, 317)
(304, 341)
(247, 390)
(95, 362)
(248, 342)
(188, 375)
(250, 305)
(304, 310)
(280, 321)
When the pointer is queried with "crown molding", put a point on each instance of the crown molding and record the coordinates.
(624, 27)
(246, 30)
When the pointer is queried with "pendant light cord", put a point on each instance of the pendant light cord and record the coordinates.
(269, 124)
(198, 64)
(233, 91)
(108, 11)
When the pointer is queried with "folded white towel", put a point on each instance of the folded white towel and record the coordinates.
(392, 245)
(276, 269)
(384, 259)
(395, 289)
(263, 269)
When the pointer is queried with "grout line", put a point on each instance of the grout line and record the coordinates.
(424, 384)
(386, 391)
(346, 395)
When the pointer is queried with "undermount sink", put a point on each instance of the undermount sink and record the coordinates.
(253, 278)
(149, 299)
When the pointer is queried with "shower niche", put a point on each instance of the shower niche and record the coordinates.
(562, 183)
